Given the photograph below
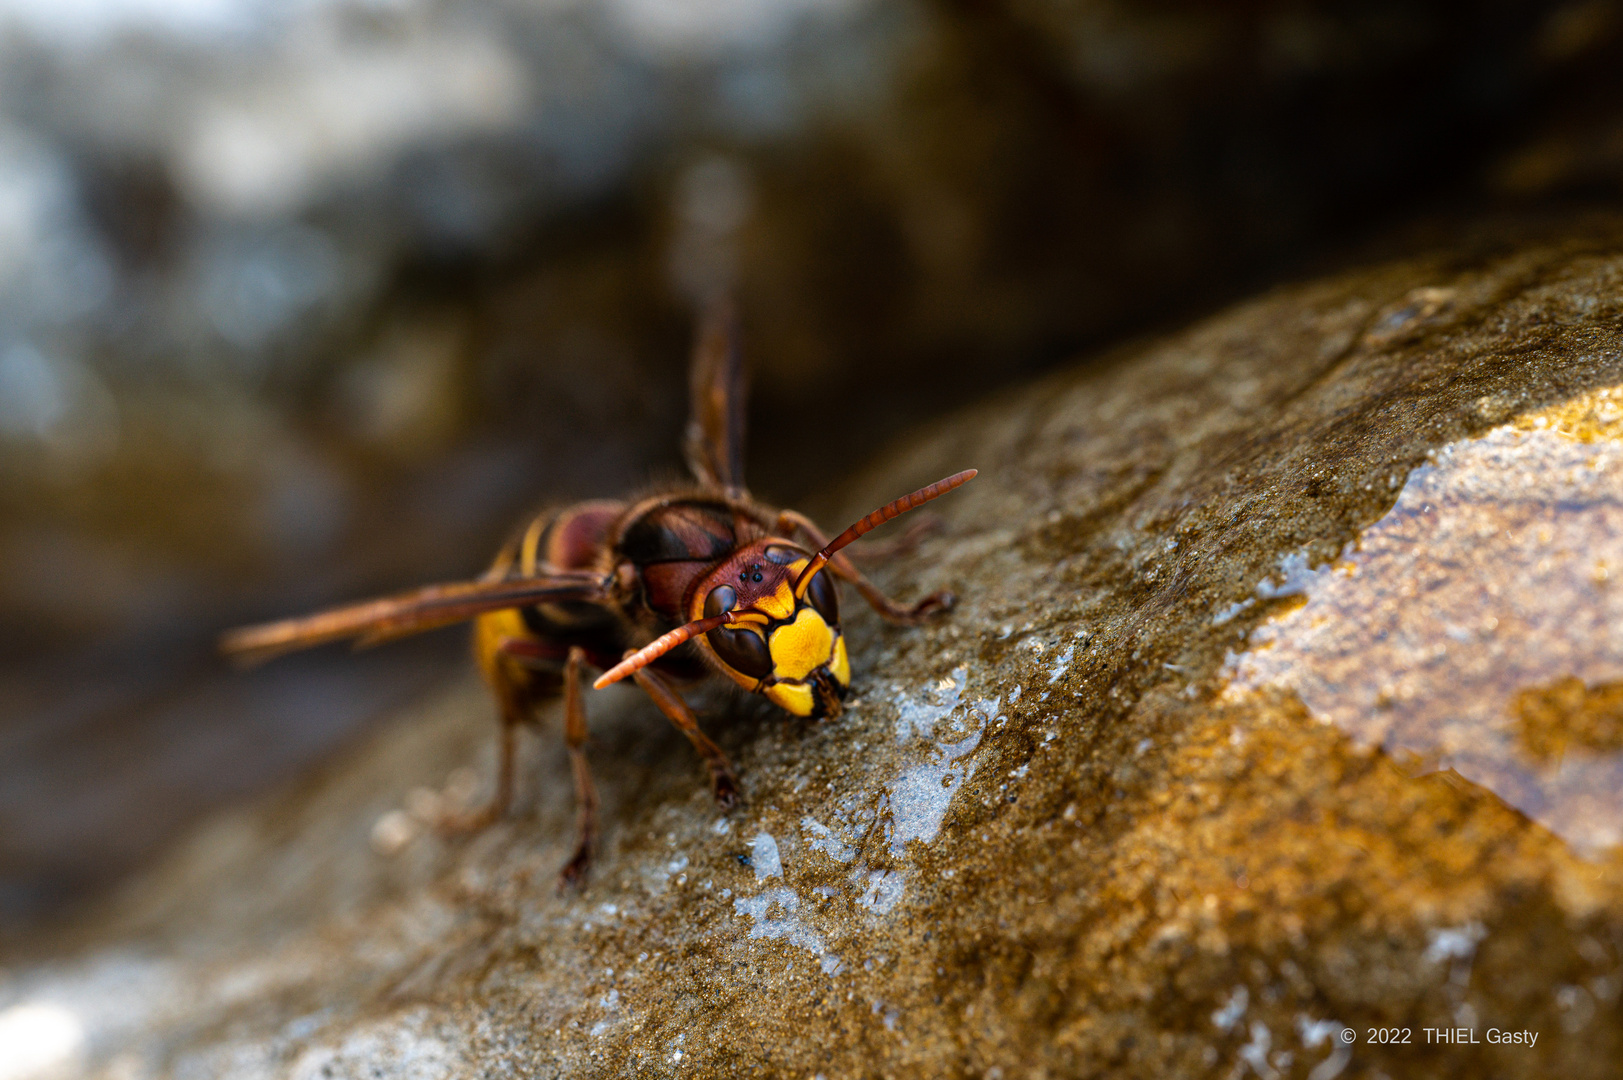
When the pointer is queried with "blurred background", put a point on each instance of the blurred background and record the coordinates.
(302, 300)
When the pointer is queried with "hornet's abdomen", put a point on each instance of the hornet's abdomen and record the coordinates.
(568, 539)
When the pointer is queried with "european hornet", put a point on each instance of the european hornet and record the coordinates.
(664, 589)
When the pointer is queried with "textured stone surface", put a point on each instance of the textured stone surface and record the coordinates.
(304, 301)
(1282, 698)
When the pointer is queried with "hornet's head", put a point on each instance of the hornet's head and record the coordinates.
(770, 620)
(777, 643)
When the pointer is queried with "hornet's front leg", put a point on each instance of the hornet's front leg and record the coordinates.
(671, 704)
(888, 609)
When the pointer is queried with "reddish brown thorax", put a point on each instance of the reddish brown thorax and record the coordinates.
(670, 543)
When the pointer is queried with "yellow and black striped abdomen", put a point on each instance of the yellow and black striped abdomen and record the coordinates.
(571, 538)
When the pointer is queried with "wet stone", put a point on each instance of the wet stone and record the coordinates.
(1282, 702)
(1437, 630)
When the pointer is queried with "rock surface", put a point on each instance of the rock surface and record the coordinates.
(1281, 703)
(304, 301)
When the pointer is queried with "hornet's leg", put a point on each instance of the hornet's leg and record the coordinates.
(671, 704)
(513, 715)
(515, 710)
(888, 609)
(574, 871)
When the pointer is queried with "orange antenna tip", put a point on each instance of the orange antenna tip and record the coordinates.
(659, 647)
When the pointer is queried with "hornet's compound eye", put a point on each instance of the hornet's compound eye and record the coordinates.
(744, 651)
(721, 599)
(821, 593)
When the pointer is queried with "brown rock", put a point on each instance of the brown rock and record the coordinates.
(345, 364)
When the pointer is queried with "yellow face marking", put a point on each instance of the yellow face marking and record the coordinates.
(841, 664)
(780, 605)
(801, 647)
(791, 697)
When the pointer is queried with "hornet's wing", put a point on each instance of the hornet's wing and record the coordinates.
(388, 617)
(715, 435)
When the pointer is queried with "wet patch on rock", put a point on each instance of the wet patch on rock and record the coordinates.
(1455, 627)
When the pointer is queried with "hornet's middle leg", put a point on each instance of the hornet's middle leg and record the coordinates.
(671, 704)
